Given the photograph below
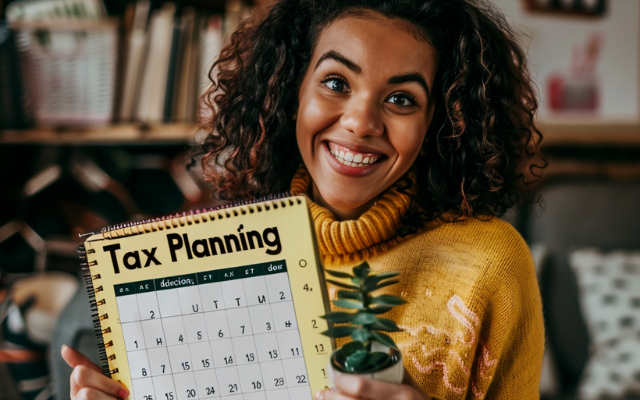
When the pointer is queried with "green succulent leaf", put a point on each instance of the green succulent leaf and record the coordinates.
(339, 317)
(361, 335)
(379, 309)
(345, 294)
(364, 319)
(352, 304)
(384, 324)
(383, 338)
(374, 280)
(342, 285)
(388, 300)
(338, 274)
(371, 287)
(384, 275)
(357, 361)
(339, 331)
(381, 328)
(362, 270)
(351, 348)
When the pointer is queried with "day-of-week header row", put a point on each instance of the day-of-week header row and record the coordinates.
(201, 278)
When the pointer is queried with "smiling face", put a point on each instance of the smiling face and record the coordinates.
(364, 109)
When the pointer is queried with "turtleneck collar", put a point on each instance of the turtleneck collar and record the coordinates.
(352, 241)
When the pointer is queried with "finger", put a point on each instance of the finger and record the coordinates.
(91, 394)
(83, 377)
(358, 386)
(75, 358)
(333, 395)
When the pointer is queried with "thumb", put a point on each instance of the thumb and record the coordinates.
(75, 358)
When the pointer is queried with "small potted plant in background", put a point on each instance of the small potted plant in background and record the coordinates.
(371, 352)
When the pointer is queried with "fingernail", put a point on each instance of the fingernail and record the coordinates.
(319, 395)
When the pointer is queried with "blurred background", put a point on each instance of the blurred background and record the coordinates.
(99, 106)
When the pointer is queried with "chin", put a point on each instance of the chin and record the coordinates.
(338, 200)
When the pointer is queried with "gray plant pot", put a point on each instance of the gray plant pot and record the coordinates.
(393, 373)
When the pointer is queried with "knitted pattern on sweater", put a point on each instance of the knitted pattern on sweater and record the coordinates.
(473, 327)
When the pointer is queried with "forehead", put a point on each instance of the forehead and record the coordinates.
(376, 42)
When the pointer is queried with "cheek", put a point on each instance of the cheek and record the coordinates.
(314, 116)
(408, 139)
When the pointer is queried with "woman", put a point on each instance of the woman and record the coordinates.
(410, 126)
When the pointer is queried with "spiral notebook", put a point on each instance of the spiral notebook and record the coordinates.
(221, 303)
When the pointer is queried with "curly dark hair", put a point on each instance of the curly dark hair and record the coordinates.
(481, 146)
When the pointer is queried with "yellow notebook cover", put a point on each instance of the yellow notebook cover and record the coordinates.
(224, 303)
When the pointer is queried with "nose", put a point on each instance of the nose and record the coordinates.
(363, 117)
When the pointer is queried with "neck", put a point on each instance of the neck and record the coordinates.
(341, 214)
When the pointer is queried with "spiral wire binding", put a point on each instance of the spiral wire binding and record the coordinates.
(95, 315)
(150, 225)
(198, 216)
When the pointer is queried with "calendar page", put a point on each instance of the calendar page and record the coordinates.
(179, 322)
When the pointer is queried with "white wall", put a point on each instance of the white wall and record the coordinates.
(553, 38)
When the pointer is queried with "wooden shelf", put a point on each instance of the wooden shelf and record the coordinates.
(586, 133)
(566, 133)
(123, 134)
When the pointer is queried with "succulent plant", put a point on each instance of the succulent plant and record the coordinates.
(363, 324)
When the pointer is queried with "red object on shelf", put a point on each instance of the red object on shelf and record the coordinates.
(573, 93)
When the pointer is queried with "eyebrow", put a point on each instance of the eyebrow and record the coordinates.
(410, 77)
(334, 55)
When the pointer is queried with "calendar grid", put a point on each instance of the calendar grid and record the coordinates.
(164, 336)
(207, 342)
(189, 309)
(279, 361)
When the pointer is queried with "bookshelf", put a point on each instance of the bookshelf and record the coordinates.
(598, 133)
(121, 134)
(570, 133)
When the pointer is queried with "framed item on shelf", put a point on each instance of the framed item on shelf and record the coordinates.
(585, 58)
(590, 8)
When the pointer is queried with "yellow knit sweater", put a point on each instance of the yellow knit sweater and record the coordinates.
(473, 326)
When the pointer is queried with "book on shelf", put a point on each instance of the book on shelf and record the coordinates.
(211, 45)
(134, 56)
(164, 56)
(153, 88)
(11, 98)
(173, 61)
(167, 64)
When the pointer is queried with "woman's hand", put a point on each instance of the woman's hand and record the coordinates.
(88, 381)
(354, 387)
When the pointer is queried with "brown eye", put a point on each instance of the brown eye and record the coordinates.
(335, 84)
(402, 100)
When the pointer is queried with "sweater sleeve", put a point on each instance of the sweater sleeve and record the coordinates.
(512, 333)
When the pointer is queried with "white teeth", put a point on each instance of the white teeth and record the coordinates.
(353, 160)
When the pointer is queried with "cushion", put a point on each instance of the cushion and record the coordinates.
(609, 287)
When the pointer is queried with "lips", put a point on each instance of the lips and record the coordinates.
(353, 157)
